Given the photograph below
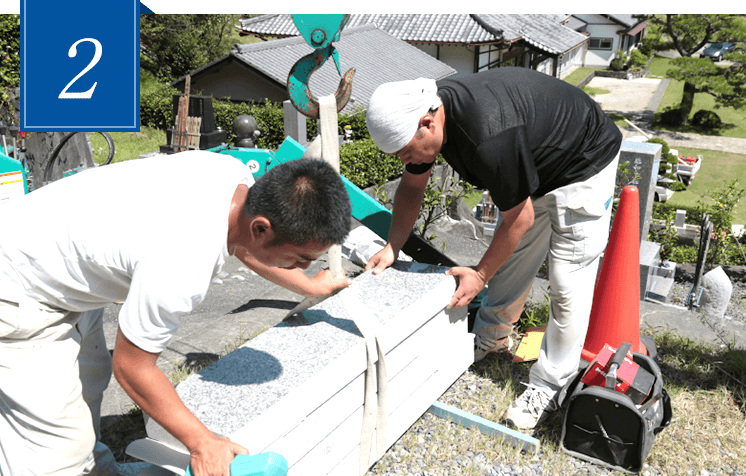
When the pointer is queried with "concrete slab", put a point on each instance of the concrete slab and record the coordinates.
(627, 96)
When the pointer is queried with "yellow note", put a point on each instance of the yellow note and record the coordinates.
(530, 345)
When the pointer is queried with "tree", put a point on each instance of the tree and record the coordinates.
(10, 58)
(173, 45)
(688, 34)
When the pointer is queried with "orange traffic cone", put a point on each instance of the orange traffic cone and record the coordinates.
(615, 313)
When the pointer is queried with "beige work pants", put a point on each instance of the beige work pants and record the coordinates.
(54, 367)
(570, 231)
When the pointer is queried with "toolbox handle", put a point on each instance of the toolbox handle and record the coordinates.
(615, 363)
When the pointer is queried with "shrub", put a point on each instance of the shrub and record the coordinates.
(269, 118)
(672, 117)
(666, 157)
(708, 120)
(638, 59)
(665, 211)
(619, 63)
(156, 108)
(676, 186)
(365, 165)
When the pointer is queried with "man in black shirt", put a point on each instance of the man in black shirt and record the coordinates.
(548, 155)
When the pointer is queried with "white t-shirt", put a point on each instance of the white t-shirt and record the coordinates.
(150, 232)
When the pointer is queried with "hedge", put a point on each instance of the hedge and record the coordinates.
(360, 161)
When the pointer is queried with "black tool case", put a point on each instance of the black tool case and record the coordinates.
(605, 427)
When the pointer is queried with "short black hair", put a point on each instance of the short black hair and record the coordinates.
(305, 200)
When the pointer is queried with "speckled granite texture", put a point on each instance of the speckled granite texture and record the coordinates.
(298, 362)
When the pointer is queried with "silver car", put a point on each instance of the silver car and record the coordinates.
(715, 51)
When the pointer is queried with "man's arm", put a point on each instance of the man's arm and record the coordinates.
(323, 284)
(150, 389)
(407, 204)
(516, 222)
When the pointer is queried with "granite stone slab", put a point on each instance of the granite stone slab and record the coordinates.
(283, 363)
(338, 453)
(408, 365)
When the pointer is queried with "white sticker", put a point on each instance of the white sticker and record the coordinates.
(253, 166)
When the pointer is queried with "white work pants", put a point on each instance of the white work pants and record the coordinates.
(52, 377)
(570, 231)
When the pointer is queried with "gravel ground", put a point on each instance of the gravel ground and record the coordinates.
(434, 447)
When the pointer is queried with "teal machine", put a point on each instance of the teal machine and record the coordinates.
(320, 31)
(365, 208)
(13, 171)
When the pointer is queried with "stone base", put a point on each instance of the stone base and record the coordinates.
(298, 388)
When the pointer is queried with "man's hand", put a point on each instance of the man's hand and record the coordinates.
(137, 373)
(214, 456)
(324, 283)
(470, 283)
(381, 260)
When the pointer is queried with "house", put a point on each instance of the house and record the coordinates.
(259, 71)
(467, 42)
(608, 34)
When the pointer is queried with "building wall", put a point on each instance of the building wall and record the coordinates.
(460, 58)
(601, 27)
(230, 79)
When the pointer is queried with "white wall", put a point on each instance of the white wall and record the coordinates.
(460, 58)
(601, 27)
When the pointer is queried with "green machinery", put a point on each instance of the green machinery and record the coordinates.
(365, 208)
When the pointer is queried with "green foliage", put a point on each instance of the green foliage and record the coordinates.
(668, 160)
(707, 120)
(174, 45)
(534, 315)
(688, 34)
(673, 117)
(441, 195)
(663, 210)
(666, 236)
(10, 58)
(720, 209)
(638, 59)
(620, 62)
(10, 49)
(365, 165)
(269, 118)
(157, 108)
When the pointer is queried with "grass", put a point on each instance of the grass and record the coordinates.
(578, 75)
(717, 168)
(708, 427)
(734, 121)
(127, 145)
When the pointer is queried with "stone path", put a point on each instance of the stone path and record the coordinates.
(639, 98)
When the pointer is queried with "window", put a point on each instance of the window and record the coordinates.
(600, 43)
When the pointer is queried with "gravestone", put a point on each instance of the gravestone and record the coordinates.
(644, 160)
(656, 276)
(294, 123)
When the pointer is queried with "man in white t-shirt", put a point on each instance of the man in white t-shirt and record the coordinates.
(152, 234)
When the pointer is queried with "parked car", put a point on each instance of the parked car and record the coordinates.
(715, 51)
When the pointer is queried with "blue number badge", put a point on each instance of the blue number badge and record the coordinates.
(80, 65)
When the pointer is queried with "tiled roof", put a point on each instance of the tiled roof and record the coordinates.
(377, 57)
(542, 31)
(627, 20)
(414, 28)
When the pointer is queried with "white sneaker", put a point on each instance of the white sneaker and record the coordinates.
(533, 406)
(485, 345)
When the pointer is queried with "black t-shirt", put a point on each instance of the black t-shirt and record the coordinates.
(519, 133)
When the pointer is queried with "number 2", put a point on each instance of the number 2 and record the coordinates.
(96, 57)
